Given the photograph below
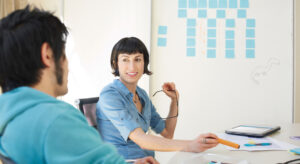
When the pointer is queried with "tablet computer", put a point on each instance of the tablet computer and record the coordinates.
(252, 130)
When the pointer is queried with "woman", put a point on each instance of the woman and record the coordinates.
(125, 112)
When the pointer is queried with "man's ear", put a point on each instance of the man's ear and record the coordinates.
(46, 54)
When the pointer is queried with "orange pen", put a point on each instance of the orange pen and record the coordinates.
(228, 143)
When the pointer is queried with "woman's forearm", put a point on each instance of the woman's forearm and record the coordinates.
(151, 142)
(171, 121)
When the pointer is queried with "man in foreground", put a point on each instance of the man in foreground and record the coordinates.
(35, 127)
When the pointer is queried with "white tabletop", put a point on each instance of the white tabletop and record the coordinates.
(260, 157)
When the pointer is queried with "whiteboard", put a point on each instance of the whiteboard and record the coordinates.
(245, 77)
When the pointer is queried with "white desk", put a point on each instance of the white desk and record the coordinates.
(262, 157)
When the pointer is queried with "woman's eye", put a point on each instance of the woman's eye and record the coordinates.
(124, 60)
(138, 59)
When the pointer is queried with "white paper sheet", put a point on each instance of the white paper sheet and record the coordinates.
(242, 140)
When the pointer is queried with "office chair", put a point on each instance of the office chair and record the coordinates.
(5, 160)
(88, 107)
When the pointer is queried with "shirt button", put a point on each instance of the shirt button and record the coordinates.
(137, 119)
(122, 119)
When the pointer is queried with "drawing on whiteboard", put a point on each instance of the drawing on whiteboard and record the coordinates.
(260, 72)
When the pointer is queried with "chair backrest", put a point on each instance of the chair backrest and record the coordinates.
(5, 160)
(88, 107)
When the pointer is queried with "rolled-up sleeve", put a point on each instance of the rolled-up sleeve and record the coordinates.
(157, 124)
(115, 109)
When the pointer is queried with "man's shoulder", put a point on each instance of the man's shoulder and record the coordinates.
(52, 110)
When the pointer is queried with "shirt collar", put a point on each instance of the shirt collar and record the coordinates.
(122, 88)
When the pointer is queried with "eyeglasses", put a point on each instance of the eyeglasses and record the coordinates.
(177, 104)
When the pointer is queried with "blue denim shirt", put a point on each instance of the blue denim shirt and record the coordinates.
(117, 116)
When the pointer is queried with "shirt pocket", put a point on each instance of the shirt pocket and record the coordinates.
(125, 115)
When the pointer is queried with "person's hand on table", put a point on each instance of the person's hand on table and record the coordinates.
(202, 143)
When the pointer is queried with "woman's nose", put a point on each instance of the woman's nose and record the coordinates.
(131, 65)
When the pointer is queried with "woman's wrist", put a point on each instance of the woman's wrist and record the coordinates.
(187, 148)
(174, 99)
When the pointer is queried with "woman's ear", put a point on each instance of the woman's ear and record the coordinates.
(46, 54)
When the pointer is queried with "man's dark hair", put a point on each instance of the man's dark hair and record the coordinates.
(22, 34)
(129, 45)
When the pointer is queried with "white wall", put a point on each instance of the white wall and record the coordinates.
(95, 26)
(55, 6)
(297, 61)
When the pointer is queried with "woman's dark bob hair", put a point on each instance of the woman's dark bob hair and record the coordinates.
(130, 45)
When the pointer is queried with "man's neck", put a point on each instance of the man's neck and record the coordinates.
(44, 89)
(45, 85)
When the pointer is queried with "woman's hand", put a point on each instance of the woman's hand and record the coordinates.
(202, 143)
(170, 90)
(146, 160)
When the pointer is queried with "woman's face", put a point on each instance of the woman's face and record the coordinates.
(131, 68)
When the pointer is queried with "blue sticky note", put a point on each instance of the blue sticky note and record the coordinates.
(193, 4)
(229, 34)
(190, 52)
(222, 3)
(202, 13)
(202, 3)
(162, 42)
(250, 43)
(211, 43)
(229, 44)
(182, 3)
(221, 14)
(250, 53)
(230, 23)
(191, 22)
(211, 53)
(211, 22)
(241, 14)
(232, 3)
(250, 23)
(162, 30)
(250, 33)
(190, 42)
(191, 32)
(182, 13)
(211, 33)
(213, 4)
(244, 4)
(229, 53)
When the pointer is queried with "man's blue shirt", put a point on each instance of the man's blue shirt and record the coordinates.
(117, 116)
(37, 128)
